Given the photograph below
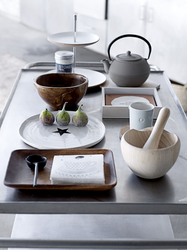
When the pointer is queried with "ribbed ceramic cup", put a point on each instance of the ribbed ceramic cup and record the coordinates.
(141, 115)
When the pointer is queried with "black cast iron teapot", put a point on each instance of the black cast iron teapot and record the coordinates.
(128, 69)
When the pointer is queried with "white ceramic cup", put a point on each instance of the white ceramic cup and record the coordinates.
(141, 115)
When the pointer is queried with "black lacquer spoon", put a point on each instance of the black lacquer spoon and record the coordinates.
(36, 163)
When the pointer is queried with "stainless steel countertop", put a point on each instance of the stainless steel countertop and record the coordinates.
(132, 195)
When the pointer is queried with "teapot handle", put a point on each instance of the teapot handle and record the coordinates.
(130, 35)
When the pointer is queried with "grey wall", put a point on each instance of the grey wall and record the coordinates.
(10, 8)
(50, 16)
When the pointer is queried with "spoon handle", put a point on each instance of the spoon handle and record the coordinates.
(154, 138)
(35, 175)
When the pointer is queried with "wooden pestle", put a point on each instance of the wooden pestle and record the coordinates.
(154, 138)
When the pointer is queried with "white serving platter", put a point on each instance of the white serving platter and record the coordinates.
(67, 39)
(35, 134)
(95, 78)
(119, 106)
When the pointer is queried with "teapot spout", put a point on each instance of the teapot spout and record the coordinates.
(106, 65)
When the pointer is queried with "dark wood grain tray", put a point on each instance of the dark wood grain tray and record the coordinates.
(20, 176)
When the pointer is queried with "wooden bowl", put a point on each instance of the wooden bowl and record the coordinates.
(149, 163)
(57, 88)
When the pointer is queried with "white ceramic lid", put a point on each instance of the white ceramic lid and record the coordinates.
(64, 54)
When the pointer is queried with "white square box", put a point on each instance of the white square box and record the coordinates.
(122, 111)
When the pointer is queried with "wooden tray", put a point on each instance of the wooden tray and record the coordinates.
(20, 176)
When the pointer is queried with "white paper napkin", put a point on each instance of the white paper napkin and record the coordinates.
(78, 169)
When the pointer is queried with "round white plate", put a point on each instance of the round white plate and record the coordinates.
(127, 100)
(35, 134)
(67, 39)
(94, 78)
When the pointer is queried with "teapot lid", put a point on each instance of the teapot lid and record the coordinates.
(128, 57)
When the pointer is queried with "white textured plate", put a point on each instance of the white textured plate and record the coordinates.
(95, 78)
(127, 100)
(35, 134)
(67, 39)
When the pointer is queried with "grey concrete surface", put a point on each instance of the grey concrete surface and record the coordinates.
(9, 68)
(20, 45)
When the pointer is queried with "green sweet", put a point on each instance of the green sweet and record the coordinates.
(63, 117)
(46, 117)
(80, 119)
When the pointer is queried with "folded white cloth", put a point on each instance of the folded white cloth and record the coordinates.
(78, 169)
